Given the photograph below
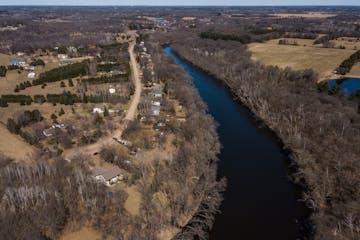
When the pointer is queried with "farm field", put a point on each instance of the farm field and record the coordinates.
(322, 60)
(304, 15)
(347, 42)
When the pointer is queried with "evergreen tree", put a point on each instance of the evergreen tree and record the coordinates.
(106, 112)
(71, 84)
(54, 118)
(12, 126)
(62, 112)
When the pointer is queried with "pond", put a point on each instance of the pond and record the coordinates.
(348, 86)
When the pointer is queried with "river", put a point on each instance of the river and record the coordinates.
(260, 203)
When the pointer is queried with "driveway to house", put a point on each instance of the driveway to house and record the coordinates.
(130, 113)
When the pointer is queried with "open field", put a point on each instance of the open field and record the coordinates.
(46, 110)
(14, 146)
(347, 42)
(322, 60)
(304, 15)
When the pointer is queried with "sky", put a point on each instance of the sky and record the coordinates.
(181, 2)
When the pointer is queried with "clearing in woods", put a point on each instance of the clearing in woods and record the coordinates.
(322, 60)
(13, 145)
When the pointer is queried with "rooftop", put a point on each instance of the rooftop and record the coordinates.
(108, 174)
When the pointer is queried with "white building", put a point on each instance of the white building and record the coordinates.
(98, 110)
(112, 90)
(156, 102)
(62, 56)
(29, 68)
(31, 75)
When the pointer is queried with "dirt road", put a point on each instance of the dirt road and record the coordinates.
(130, 113)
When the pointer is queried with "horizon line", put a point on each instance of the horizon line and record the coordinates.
(174, 5)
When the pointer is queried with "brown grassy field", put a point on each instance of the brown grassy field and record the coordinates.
(322, 60)
(14, 146)
(46, 110)
(347, 42)
(304, 15)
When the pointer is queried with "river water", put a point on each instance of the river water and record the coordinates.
(260, 203)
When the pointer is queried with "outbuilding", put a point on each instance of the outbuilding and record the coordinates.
(31, 75)
(98, 110)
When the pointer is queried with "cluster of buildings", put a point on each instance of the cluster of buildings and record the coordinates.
(156, 94)
(156, 91)
(24, 65)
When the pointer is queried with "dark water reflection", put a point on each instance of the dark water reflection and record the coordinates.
(260, 203)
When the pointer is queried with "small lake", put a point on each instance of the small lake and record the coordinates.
(348, 85)
(260, 201)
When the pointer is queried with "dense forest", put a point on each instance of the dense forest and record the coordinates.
(322, 131)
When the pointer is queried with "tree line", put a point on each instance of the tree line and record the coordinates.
(348, 63)
(226, 37)
(60, 73)
(26, 118)
(66, 98)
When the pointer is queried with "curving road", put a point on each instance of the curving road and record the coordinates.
(130, 113)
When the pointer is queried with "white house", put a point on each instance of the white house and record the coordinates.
(108, 176)
(98, 110)
(31, 75)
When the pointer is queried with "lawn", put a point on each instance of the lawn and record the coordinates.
(322, 60)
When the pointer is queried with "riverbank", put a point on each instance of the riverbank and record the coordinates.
(243, 162)
(298, 115)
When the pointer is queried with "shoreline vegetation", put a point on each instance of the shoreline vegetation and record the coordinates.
(202, 218)
(287, 101)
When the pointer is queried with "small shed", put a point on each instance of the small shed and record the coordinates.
(62, 56)
(112, 90)
(98, 110)
(31, 75)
